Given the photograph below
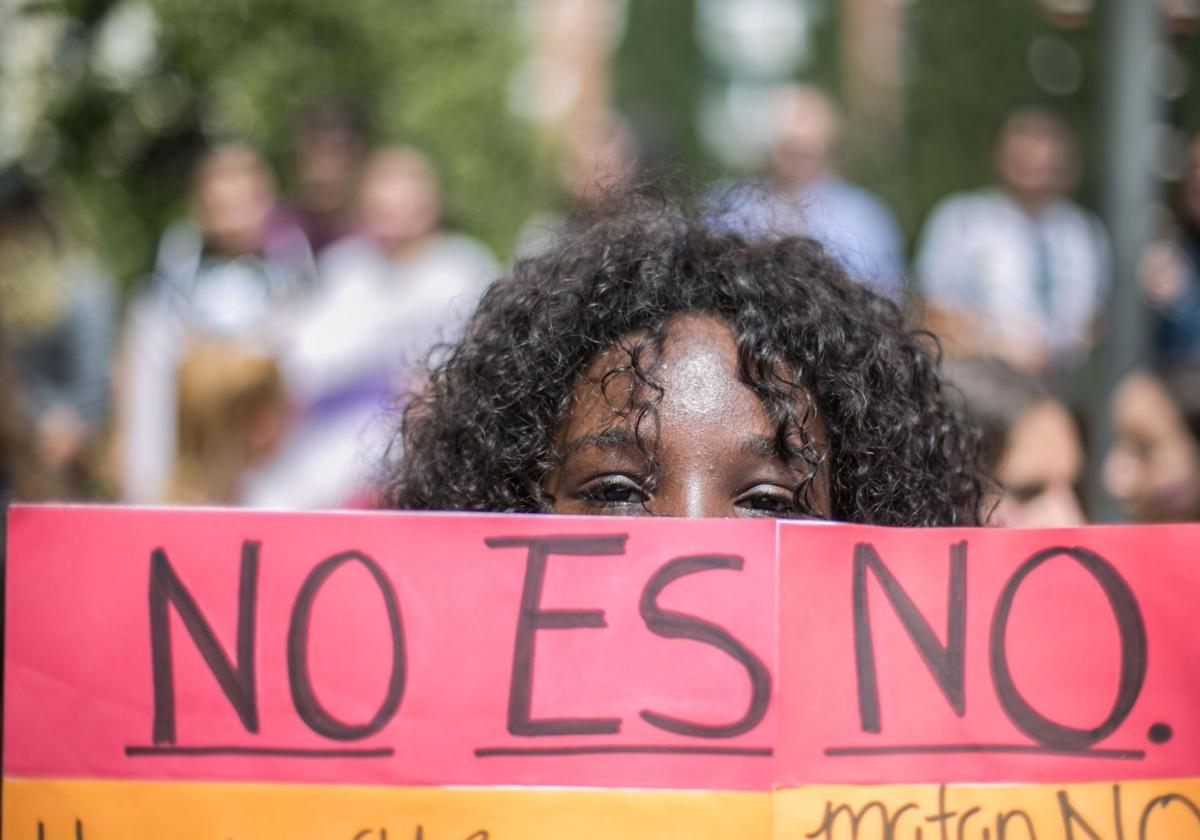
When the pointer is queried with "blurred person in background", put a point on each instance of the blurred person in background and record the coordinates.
(1018, 270)
(328, 149)
(1030, 443)
(23, 475)
(1170, 271)
(388, 295)
(58, 317)
(597, 156)
(804, 195)
(232, 412)
(235, 270)
(1153, 468)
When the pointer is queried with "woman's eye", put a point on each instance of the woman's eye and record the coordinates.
(612, 490)
(773, 502)
(1026, 493)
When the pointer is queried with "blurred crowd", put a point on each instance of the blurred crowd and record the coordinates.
(258, 362)
(264, 358)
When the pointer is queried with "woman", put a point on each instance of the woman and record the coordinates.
(1153, 468)
(388, 294)
(58, 316)
(237, 271)
(1030, 443)
(650, 365)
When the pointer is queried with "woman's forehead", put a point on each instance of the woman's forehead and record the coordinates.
(695, 353)
(687, 373)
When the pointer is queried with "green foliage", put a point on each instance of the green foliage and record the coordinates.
(435, 73)
(970, 66)
(824, 69)
(429, 72)
(658, 77)
(968, 63)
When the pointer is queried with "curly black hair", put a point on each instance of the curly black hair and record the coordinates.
(480, 435)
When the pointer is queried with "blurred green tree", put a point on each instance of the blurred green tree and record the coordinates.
(657, 81)
(143, 84)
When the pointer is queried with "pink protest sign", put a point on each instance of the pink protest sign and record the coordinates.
(989, 655)
(438, 650)
(389, 649)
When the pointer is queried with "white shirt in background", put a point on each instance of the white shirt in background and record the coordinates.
(360, 345)
(1021, 278)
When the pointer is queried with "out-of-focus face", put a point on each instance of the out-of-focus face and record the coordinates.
(399, 199)
(234, 198)
(805, 138)
(327, 169)
(710, 435)
(1153, 468)
(1034, 162)
(1191, 182)
(1039, 471)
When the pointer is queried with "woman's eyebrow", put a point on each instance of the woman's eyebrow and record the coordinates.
(767, 447)
(759, 445)
(615, 438)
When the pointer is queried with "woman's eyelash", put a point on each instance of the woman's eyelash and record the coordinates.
(622, 491)
(773, 502)
(612, 490)
(779, 503)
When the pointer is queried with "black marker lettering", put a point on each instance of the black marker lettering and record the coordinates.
(674, 625)
(41, 830)
(237, 682)
(887, 820)
(1003, 819)
(303, 697)
(942, 816)
(1130, 628)
(945, 662)
(1163, 802)
(533, 618)
(1072, 819)
(964, 819)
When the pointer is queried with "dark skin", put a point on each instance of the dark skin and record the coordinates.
(711, 436)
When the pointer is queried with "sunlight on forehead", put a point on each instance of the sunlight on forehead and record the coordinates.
(699, 379)
(699, 367)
